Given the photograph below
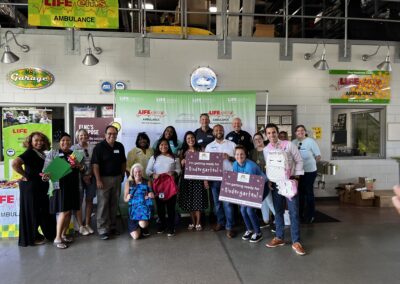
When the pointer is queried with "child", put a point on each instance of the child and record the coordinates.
(140, 197)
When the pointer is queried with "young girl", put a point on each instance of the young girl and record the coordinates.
(244, 165)
(139, 195)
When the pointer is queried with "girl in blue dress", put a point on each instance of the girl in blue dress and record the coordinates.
(139, 196)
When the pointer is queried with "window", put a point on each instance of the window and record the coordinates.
(358, 132)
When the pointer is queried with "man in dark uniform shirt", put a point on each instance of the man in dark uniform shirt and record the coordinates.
(109, 164)
(204, 134)
(239, 136)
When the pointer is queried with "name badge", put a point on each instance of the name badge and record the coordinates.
(56, 185)
(200, 141)
(161, 195)
(61, 154)
(116, 151)
(230, 138)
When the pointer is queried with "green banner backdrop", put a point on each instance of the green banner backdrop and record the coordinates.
(152, 111)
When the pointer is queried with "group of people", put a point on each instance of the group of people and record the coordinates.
(156, 176)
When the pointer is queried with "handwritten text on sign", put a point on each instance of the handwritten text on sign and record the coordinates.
(204, 166)
(242, 189)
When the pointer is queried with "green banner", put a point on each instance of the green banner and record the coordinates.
(153, 111)
(17, 125)
(99, 14)
(359, 86)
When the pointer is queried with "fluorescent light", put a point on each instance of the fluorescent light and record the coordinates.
(148, 6)
(318, 19)
(130, 5)
(213, 9)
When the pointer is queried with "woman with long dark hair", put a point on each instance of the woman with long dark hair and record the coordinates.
(164, 169)
(170, 135)
(192, 194)
(34, 202)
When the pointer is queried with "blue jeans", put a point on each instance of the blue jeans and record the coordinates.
(223, 210)
(250, 219)
(306, 195)
(293, 206)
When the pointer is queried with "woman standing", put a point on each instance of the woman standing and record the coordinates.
(87, 184)
(164, 168)
(257, 156)
(310, 154)
(34, 203)
(192, 194)
(170, 135)
(139, 195)
(66, 191)
(140, 154)
(244, 165)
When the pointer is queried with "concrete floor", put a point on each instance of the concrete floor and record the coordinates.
(363, 248)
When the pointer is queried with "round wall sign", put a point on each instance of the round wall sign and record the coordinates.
(203, 79)
(120, 85)
(106, 87)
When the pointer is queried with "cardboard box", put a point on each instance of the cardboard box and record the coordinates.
(383, 198)
(363, 198)
(367, 182)
(264, 30)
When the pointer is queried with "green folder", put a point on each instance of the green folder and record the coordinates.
(78, 154)
(57, 169)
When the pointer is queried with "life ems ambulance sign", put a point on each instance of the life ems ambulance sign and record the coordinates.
(89, 14)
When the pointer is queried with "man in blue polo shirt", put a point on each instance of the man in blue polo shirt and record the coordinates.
(109, 164)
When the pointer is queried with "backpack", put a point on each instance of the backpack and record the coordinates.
(277, 163)
(278, 170)
(165, 187)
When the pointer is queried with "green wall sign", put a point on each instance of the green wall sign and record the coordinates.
(30, 78)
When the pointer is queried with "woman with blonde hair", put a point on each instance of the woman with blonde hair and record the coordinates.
(139, 196)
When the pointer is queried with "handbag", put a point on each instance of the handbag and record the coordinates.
(165, 187)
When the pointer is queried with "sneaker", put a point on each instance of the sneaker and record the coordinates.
(39, 242)
(264, 225)
(89, 229)
(255, 238)
(275, 242)
(247, 235)
(145, 232)
(298, 248)
(160, 229)
(199, 227)
(83, 231)
(218, 227)
(311, 220)
(171, 233)
(104, 236)
(190, 227)
(272, 228)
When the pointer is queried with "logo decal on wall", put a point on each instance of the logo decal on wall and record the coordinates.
(203, 79)
(30, 78)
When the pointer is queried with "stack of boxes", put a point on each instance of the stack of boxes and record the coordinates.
(359, 194)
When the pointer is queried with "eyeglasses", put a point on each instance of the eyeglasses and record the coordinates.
(299, 145)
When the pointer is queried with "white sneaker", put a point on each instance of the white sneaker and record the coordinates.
(83, 231)
(89, 229)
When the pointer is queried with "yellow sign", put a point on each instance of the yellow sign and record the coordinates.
(317, 132)
(88, 14)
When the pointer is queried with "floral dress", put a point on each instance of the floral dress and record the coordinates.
(139, 206)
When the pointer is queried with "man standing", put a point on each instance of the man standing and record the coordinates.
(109, 165)
(239, 136)
(295, 164)
(223, 210)
(204, 134)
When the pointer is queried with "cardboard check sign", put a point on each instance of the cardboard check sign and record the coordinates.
(242, 189)
(204, 166)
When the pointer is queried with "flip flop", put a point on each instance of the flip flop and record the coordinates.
(60, 245)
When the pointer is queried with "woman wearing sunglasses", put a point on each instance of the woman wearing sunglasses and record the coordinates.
(310, 154)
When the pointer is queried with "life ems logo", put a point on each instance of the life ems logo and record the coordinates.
(20, 130)
(148, 112)
(7, 199)
(220, 113)
(79, 3)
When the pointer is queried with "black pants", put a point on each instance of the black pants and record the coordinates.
(170, 204)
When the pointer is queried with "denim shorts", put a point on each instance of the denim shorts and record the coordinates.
(88, 190)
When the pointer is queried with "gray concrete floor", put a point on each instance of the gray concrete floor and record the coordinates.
(363, 248)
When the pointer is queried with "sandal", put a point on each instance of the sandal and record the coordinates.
(67, 240)
(190, 227)
(199, 227)
(60, 245)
